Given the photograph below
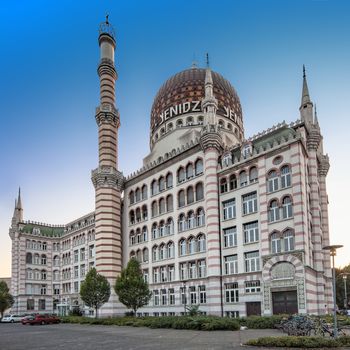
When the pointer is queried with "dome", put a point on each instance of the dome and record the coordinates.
(183, 92)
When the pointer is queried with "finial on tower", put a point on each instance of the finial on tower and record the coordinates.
(107, 15)
(316, 118)
(306, 106)
(207, 59)
(106, 28)
(304, 74)
(19, 201)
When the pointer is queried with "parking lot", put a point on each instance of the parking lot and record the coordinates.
(89, 337)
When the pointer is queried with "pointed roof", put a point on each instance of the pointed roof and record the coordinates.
(19, 202)
(305, 97)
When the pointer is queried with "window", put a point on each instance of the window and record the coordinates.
(201, 243)
(223, 186)
(285, 176)
(41, 304)
(169, 203)
(287, 208)
(192, 270)
(193, 295)
(251, 232)
(200, 217)
(202, 295)
(199, 192)
(229, 208)
(171, 295)
(30, 304)
(190, 220)
(43, 275)
(82, 270)
(43, 289)
(252, 261)
(163, 274)
(163, 296)
(154, 209)
(181, 175)
(156, 297)
(233, 182)
(169, 180)
(243, 181)
(272, 181)
(230, 237)
(182, 223)
(161, 184)
(91, 251)
(253, 174)
(183, 295)
(232, 314)
(190, 195)
(199, 166)
(154, 189)
(274, 213)
(191, 245)
(162, 206)
(182, 247)
(144, 192)
(288, 238)
(144, 234)
(170, 250)
(231, 264)
(171, 273)
(250, 203)
(181, 199)
(76, 287)
(43, 259)
(76, 271)
(29, 258)
(252, 286)
(231, 292)
(189, 171)
(183, 271)
(137, 195)
(154, 253)
(82, 254)
(155, 275)
(201, 268)
(131, 197)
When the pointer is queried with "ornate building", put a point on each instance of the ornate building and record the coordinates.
(233, 224)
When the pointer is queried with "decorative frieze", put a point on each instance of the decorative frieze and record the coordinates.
(105, 176)
(211, 138)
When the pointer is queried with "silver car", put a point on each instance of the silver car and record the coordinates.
(11, 318)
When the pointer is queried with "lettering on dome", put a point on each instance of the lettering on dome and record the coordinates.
(191, 107)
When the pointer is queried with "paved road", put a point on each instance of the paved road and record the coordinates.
(90, 337)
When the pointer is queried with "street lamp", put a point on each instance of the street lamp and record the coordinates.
(345, 277)
(333, 252)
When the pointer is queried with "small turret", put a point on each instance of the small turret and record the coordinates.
(306, 107)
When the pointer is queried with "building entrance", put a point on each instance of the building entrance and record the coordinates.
(285, 302)
(253, 308)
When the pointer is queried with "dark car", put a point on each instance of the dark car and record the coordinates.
(40, 319)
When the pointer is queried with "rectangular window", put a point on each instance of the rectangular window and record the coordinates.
(43, 289)
(183, 271)
(163, 274)
(250, 203)
(91, 252)
(231, 264)
(82, 254)
(171, 296)
(41, 304)
(202, 295)
(171, 273)
(164, 297)
(30, 304)
(156, 297)
(183, 295)
(192, 270)
(82, 270)
(76, 287)
(193, 295)
(201, 268)
(251, 232)
(155, 275)
(56, 289)
(232, 314)
(229, 209)
(230, 237)
(252, 261)
(231, 292)
(252, 286)
(76, 256)
(76, 271)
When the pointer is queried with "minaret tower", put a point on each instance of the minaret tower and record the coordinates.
(106, 178)
(212, 146)
(306, 106)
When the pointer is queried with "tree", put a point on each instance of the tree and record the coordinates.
(95, 290)
(131, 288)
(6, 299)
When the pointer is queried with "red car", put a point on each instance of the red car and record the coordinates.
(40, 319)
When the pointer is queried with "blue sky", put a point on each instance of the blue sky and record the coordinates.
(49, 87)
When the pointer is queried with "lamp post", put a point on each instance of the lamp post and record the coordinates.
(333, 252)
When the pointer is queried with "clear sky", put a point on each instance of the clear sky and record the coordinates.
(49, 88)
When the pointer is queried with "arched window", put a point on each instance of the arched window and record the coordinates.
(191, 245)
(233, 182)
(132, 254)
(43, 259)
(189, 121)
(56, 260)
(190, 195)
(138, 255)
(154, 231)
(200, 217)
(179, 123)
(169, 226)
(162, 252)
(138, 236)
(154, 189)
(275, 243)
(288, 240)
(272, 181)
(154, 209)
(132, 238)
(29, 274)
(199, 166)
(243, 178)
(253, 174)
(190, 220)
(285, 176)
(200, 120)
(43, 275)
(29, 258)
(199, 191)
(201, 243)
(223, 185)
(131, 197)
(161, 229)
(169, 180)
(170, 126)
(169, 203)
(144, 192)
(287, 207)
(221, 124)
(138, 215)
(144, 212)
(181, 199)
(137, 195)
(144, 234)
(181, 175)
(161, 206)
(182, 246)
(274, 211)
(161, 184)
(145, 254)
(182, 223)
(132, 217)
(189, 171)
(154, 253)
(170, 250)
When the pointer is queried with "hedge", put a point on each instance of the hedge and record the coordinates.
(261, 322)
(300, 342)
(205, 323)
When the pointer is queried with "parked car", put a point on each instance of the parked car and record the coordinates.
(12, 318)
(40, 319)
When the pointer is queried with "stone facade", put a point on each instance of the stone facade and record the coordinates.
(236, 225)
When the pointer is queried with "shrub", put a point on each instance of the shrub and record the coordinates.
(261, 322)
(299, 342)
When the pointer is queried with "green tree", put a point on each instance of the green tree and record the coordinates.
(95, 290)
(131, 288)
(6, 299)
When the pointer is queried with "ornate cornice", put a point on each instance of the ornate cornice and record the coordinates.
(324, 165)
(211, 138)
(106, 66)
(107, 114)
(313, 138)
(105, 176)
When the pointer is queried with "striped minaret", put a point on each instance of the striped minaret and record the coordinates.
(211, 143)
(106, 178)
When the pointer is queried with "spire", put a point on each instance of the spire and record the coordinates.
(306, 107)
(209, 102)
(207, 60)
(19, 201)
(315, 118)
